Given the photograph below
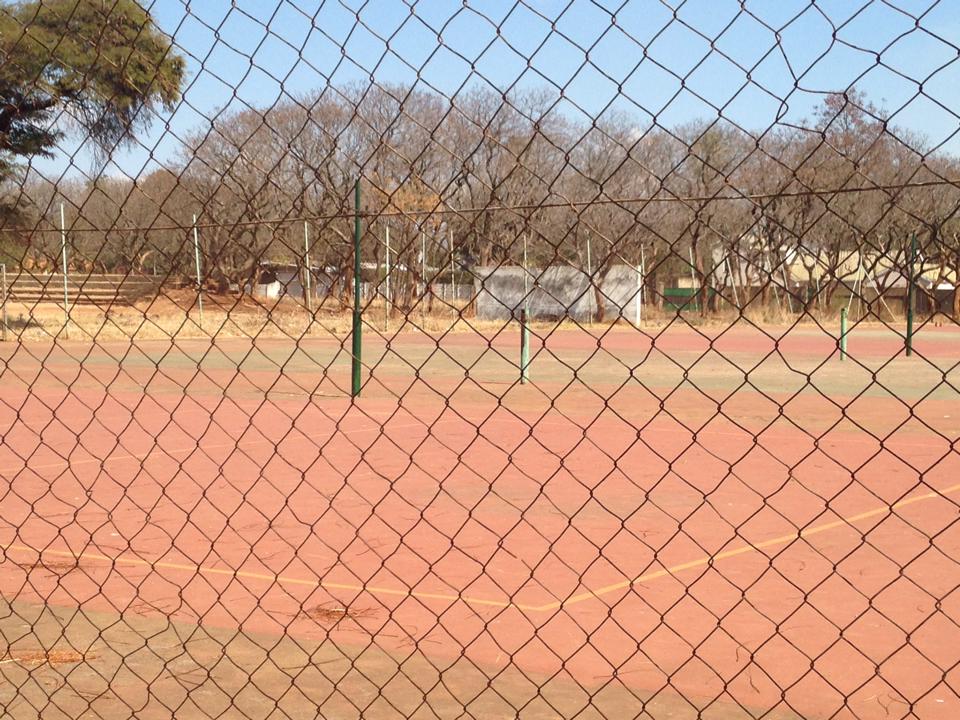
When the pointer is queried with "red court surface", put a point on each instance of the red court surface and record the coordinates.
(749, 525)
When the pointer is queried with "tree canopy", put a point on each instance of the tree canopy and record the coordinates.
(102, 66)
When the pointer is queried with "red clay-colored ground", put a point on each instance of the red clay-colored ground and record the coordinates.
(734, 525)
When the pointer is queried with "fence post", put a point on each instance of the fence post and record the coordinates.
(786, 287)
(306, 261)
(524, 348)
(196, 257)
(386, 281)
(66, 293)
(526, 289)
(911, 281)
(858, 287)
(357, 347)
(733, 282)
(423, 280)
(3, 299)
(639, 300)
(843, 334)
(695, 285)
(453, 275)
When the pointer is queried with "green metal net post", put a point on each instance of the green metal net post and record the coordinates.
(357, 345)
(911, 282)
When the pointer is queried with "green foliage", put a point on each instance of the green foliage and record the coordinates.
(105, 63)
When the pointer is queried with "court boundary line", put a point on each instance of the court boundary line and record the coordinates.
(597, 594)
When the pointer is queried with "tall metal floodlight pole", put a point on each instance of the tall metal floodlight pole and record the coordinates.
(386, 281)
(196, 257)
(306, 263)
(3, 299)
(66, 292)
(453, 276)
(357, 346)
(640, 273)
(524, 320)
(423, 280)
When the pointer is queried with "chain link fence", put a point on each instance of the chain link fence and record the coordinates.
(445, 360)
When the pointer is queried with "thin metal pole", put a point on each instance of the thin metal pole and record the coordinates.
(423, 280)
(879, 295)
(693, 281)
(453, 276)
(638, 300)
(306, 263)
(768, 270)
(843, 334)
(66, 295)
(589, 262)
(357, 345)
(3, 273)
(386, 278)
(786, 287)
(524, 348)
(859, 285)
(642, 280)
(910, 291)
(856, 290)
(525, 272)
(733, 282)
(196, 257)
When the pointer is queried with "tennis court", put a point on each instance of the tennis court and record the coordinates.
(467, 360)
(671, 522)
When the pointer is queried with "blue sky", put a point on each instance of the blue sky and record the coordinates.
(649, 57)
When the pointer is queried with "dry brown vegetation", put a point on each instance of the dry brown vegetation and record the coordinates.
(175, 315)
(529, 175)
(329, 614)
(46, 657)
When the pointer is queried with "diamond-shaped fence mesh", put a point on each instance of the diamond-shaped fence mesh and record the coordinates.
(480, 359)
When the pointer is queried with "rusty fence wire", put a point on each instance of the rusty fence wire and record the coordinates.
(501, 359)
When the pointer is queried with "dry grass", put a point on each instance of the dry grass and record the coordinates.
(175, 314)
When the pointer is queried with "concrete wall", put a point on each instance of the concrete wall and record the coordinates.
(555, 292)
(289, 284)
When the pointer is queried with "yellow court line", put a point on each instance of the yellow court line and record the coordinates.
(247, 575)
(748, 548)
(485, 602)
